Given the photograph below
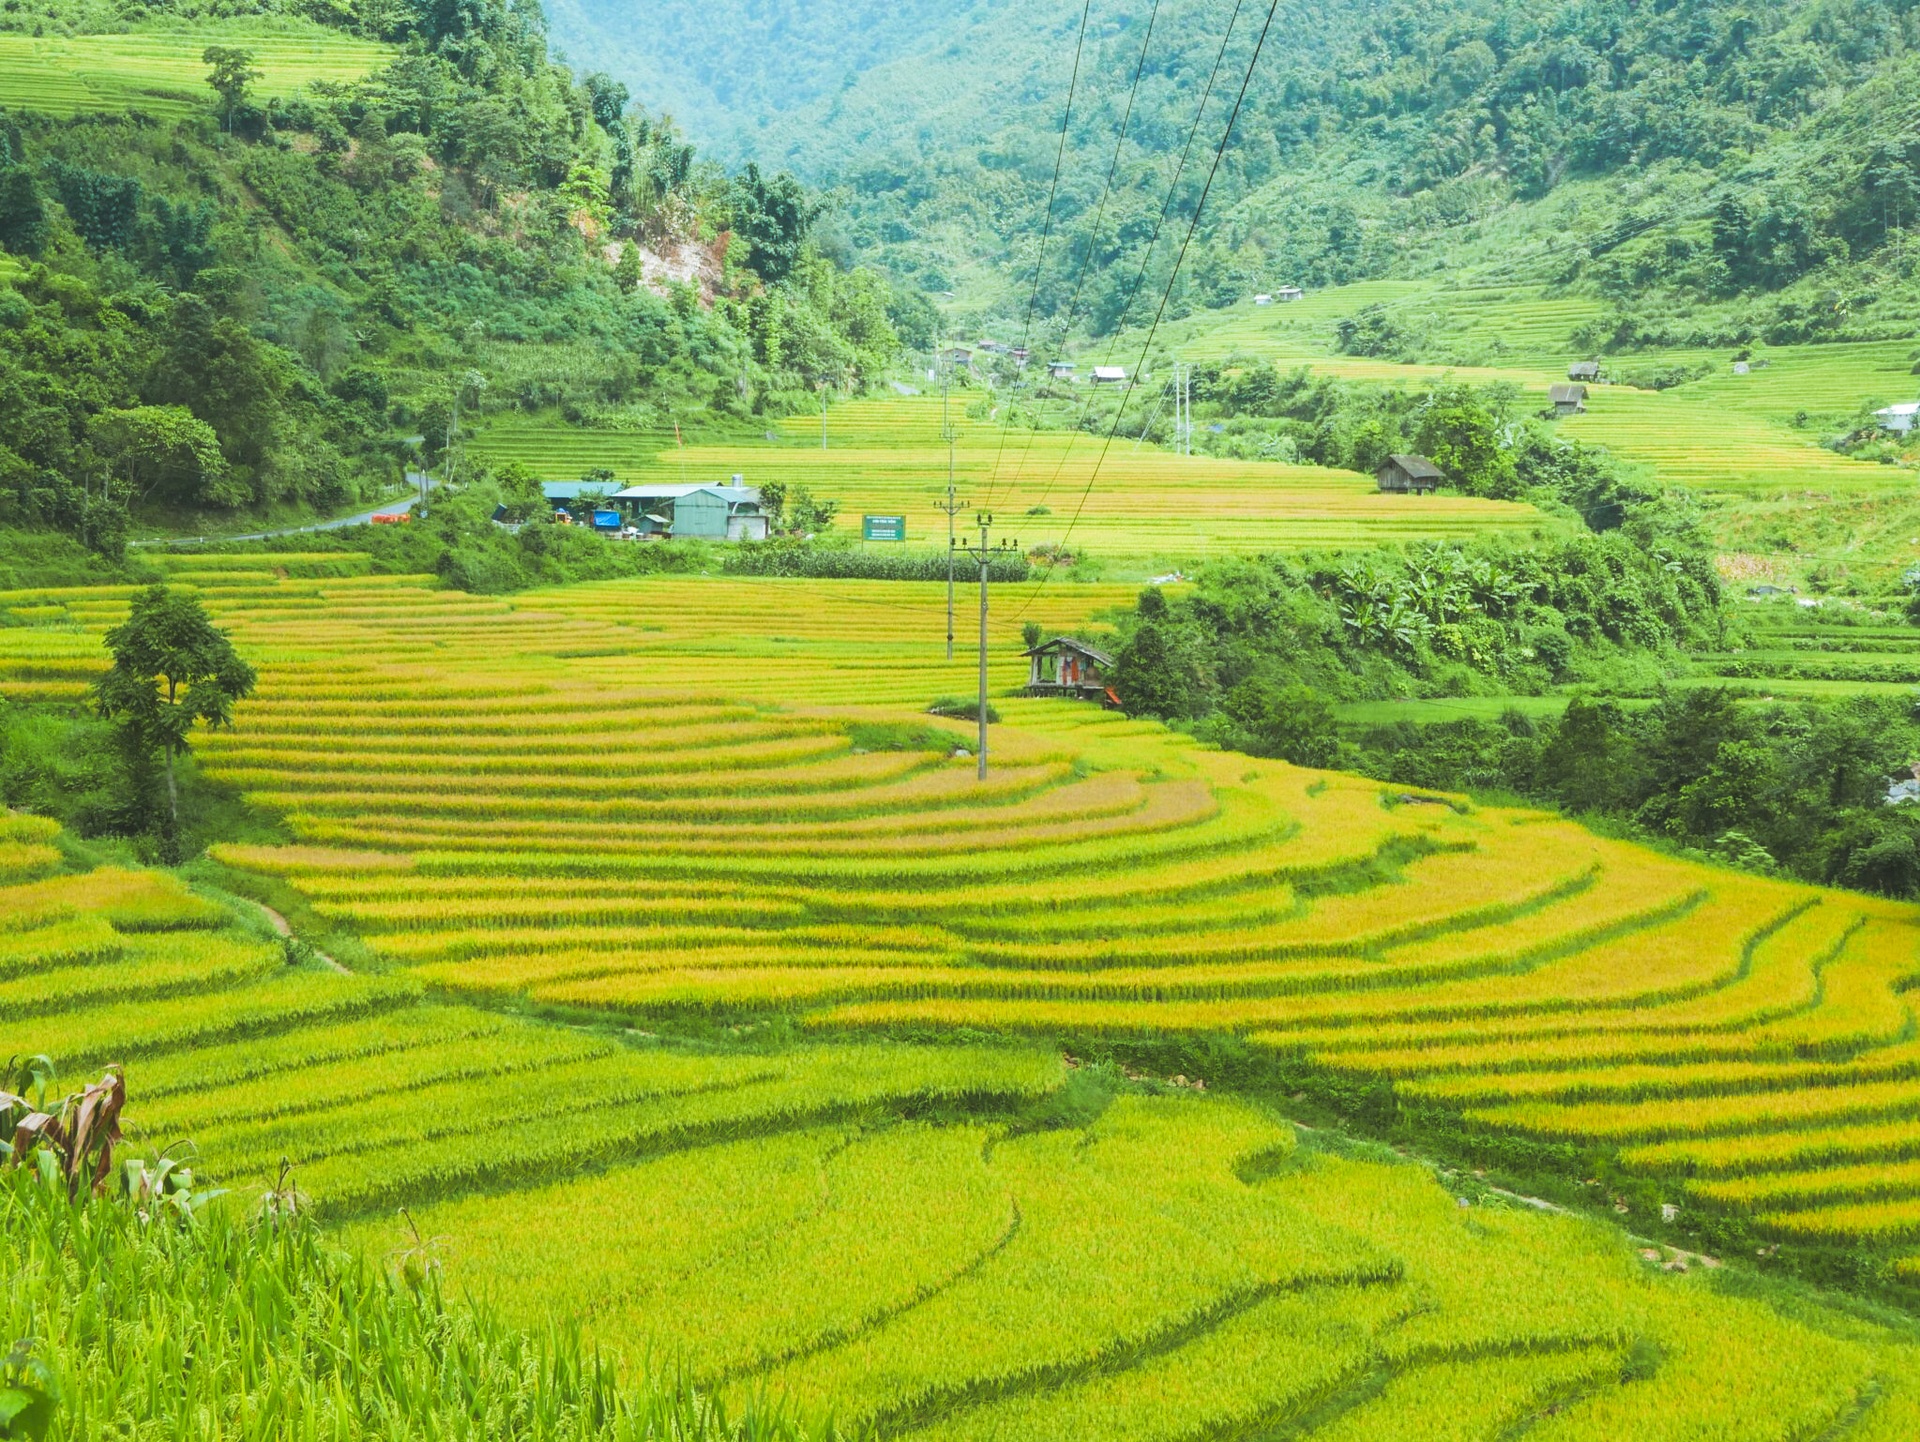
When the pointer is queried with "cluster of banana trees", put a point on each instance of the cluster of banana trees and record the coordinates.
(1398, 608)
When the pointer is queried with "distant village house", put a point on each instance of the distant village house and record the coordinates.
(1403, 475)
(1288, 293)
(714, 513)
(1567, 400)
(1109, 375)
(1066, 667)
(1900, 418)
(1584, 371)
(711, 512)
(1060, 370)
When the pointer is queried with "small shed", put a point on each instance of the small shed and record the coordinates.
(1900, 418)
(1402, 475)
(1066, 667)
(1263, 300)
(957, 355)
(1567, 400)
(1584, 371)
(1060, 370)
(1109, 375)
(1288, 293)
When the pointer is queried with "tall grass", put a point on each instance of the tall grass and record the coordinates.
(237, 1329)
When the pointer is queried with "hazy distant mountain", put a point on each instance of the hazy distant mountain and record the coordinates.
(730, 71)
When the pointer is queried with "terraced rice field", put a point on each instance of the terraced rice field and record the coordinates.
(161, 73)
(680, 796)
(1793, 650)
(1754, 438)
(1516, 328)
(632, 802)
(931, 1241)
(1722, 432)
(885, 457)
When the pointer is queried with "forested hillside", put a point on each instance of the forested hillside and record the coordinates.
(1717, 154)
(228, 296)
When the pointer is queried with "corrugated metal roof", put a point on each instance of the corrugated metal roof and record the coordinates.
(732, 494)
(1067, 643)
(1419, 467)
(572, 490)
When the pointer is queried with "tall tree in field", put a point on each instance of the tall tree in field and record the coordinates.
(172, 669)
(232, 73)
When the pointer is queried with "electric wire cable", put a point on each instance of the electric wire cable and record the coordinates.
(1159, 224)
(1193, 225)
(1093, 241)
(1046, 227)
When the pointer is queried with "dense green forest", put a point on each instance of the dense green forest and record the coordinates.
(1718, 154)
(279, 305)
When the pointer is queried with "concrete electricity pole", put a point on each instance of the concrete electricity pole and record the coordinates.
(984, 554)
(949, 434)
(1183, 407)
(952, 508)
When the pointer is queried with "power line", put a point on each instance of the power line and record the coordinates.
(1198, 210)
(1093, 239)
(1159, 224)
(1046, 227)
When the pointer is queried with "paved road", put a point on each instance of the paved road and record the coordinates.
(359, 518)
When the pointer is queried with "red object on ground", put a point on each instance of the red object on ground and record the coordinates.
(392, 518)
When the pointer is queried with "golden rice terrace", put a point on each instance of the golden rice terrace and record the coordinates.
(725, 797)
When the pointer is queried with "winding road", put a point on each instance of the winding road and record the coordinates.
(358, 518)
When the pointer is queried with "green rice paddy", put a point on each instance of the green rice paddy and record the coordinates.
(162, 73)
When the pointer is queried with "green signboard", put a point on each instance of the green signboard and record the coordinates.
(883, 528)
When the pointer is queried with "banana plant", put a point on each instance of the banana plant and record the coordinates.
(1495, 589)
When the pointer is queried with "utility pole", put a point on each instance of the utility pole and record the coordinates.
(822, 385)
(984, 554)
(1183, 407)
(1186, 391)
(469, 381)
(953, 506)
